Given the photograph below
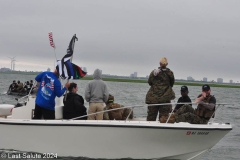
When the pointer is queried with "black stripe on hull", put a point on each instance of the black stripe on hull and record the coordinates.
(115, 126)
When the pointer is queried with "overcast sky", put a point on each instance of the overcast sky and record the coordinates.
(200, 38)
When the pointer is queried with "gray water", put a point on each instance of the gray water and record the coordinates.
(130, 94)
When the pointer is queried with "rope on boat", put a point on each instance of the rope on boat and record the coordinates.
(146, 105)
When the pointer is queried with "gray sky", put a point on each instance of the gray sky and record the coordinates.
(200, 38)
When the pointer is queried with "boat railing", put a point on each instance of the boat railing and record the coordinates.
(218, 109)
(132, 107)
(109, 110)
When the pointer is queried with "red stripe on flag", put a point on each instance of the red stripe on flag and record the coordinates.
(81, 72)
(51, 40)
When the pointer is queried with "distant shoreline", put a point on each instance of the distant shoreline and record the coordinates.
(141, 80)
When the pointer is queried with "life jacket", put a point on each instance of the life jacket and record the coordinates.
(203, 112)
(126, 112)
(13, 85)
(28, 86)
(20, 86)
(116, 114)
(120, 114)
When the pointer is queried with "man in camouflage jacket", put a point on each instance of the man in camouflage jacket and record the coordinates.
(120, 114)
(161, 81)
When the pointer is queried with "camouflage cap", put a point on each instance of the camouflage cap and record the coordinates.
(110, 98)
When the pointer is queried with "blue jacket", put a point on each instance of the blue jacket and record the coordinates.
(49, 88)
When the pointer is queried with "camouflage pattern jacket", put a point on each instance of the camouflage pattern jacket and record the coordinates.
(202, 111)
(120, 114)
(161, 81)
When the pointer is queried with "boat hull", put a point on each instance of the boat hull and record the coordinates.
(17, 93)
(110, 139)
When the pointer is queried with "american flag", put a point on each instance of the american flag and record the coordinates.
(50, 35)
(47, 84)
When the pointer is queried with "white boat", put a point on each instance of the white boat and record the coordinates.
(136, 138)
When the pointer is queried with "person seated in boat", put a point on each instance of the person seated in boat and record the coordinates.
(20, 86)
(31, 84)
(205, 109)
(74, 104)
(27, 87)
(120, 114)
(184, 98)
(48, 90)
(161, 81)
(34, 88)
(13, 87)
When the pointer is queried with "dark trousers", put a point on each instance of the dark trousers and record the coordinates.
(44, 113)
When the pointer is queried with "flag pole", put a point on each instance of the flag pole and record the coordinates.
(55, 54)
(71, 62)
(55, 59)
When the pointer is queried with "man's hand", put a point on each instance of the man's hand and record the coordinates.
(197, 100)
(204, 94)
(67, 85)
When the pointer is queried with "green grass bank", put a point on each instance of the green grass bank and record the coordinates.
(113, 79)
(176, 83)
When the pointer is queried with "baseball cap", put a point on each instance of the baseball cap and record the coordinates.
(184, 88)
(110, 98)
(205, 87)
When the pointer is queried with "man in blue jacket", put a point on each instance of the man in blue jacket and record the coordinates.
(49, 88)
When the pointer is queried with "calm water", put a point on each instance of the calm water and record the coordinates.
(134, 94)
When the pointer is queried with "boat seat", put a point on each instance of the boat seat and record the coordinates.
(5, 109)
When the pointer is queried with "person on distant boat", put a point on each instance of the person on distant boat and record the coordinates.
(183, 98)
(96, 93)
(161, 81)
(120, 114)
(20, 86)
(34, 88)
(27, 87)
(13, 87)
(49, 88)
(31, 84)
(74, 104)
(205, 109)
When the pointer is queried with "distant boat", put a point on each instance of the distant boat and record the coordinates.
(23, 93)
(108, 139)
(17, 93)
